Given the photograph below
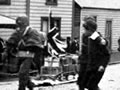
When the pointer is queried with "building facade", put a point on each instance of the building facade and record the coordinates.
(38, 12)
(68, 14)
(107, 15)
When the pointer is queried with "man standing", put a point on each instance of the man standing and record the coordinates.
(75, 46)
(29, 41)
(2, 45)
(68, 49)
(94, 57)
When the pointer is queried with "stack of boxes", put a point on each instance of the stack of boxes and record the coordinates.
(68, 64)
(65, 65)
(51, 67)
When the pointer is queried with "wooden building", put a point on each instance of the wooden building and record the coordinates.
(68, 14)
(38, 12)
(107, 15)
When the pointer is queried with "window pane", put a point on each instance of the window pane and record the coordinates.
(51, 2)
(45, 26)
(5, 2)
(54, 22)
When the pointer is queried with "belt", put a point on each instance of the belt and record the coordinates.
(25, 54)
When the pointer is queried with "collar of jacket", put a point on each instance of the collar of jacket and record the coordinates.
(94, 35)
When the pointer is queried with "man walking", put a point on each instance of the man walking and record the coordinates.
(27, 40)
(94, 57)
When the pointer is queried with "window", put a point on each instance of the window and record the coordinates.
(5, 2)
(45, 23)
(51, 2)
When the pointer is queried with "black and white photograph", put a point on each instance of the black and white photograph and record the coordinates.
(59, 44)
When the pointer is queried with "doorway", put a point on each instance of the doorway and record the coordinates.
(45, 23)
(108, 33)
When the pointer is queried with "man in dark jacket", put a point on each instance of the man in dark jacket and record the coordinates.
(30, 42)
(2, 45)
(118, 44)
(83, 60)
(75, 46)
(68, 49)
(94, 57)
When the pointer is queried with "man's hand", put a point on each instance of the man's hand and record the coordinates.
(103, 42)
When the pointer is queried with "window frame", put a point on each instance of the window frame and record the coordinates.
(5, 2)
(46, 19)
(51, 2)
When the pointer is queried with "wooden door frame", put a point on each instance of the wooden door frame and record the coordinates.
(55, 18)
(109, 32)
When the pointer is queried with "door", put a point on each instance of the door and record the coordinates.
(108, 33)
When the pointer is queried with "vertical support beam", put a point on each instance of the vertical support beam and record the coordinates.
(73, 17)
(28, 8)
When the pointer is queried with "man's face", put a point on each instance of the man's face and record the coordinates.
(20, 28)
(88, 32)
(22, 22)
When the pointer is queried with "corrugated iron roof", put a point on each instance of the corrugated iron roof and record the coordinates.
(107, 4)
(6, 20)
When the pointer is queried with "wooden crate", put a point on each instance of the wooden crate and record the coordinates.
(70, 68)
(51, 70)
(52, 62)
(66, 60)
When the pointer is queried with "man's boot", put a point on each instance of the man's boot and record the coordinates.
(30, 85)
(81, 88)
(21, 87)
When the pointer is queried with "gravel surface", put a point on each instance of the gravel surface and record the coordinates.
(110, 81)
(111, 78)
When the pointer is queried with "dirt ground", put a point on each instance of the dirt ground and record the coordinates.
(110, 81)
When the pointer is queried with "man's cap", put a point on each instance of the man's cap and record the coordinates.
(22, 20)
(89, 18)
(90, 25)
